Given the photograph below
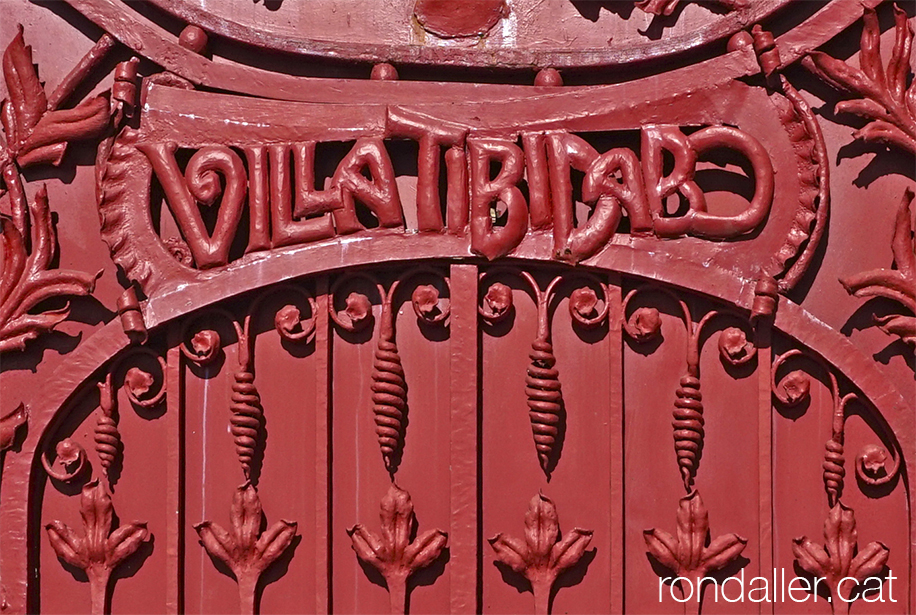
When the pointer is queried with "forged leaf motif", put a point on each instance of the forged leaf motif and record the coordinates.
(35, 133)
(26, 280)
(687, 554)
(884, 99)
(67, 545)
(896, 284)
(510, 551)
(838, 558)
(541, 557)
(47, 142)
(27, 98)
(903, 327)
(125, 541)
(99, 550)
(245, 550)
(392, 553)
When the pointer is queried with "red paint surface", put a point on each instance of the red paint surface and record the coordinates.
(406, 171)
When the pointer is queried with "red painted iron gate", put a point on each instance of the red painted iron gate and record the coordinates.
(636, 338)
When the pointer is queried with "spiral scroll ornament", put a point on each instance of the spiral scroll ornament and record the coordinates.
(71, 462)
(388, 384)
(107, 441)
(545, 401)
(834, 459)
(205, 347)
(107, 436)
(389, 401)
(546, 410)
(247, 414)
(588, 306)
(688, 426)
(688, 422)
(874, 465)
(145, 389)
(834, 469)
(497, 303)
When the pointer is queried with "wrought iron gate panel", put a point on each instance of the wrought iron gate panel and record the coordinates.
(441, 340)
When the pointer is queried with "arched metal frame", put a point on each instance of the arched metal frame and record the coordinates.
(893, 412)
(52, 403)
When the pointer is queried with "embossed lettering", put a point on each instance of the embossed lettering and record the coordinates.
(380, 195)
(486, 238)
(201, 185)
